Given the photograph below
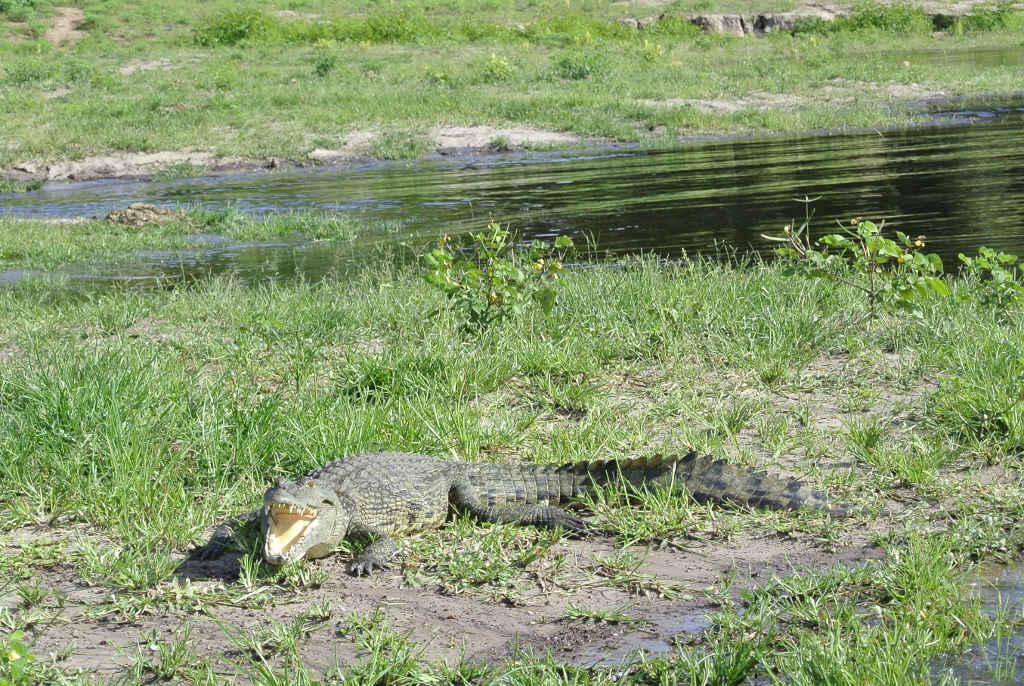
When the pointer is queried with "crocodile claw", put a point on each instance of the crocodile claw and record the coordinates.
(576, 527)
(211, 550)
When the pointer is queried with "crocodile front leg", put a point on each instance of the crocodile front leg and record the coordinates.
(224, 534)
(377, 555)
(464, 497)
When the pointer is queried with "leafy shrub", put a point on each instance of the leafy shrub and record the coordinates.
(15, 661)
(899, 17)
(680, 27)
(892, 274)
(30, 70)
(234, 26)
(581, 64)
(390, 27)
(18, 10)
(325, 59)
(998, 16)
(812, 25)
(496, 69)
(995, 277)
(491, 281)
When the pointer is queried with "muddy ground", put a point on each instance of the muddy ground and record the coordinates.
(98, 628)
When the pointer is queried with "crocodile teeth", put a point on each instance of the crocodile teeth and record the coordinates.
(286, 526)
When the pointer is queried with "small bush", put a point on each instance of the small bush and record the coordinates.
(812, 26)
(579, 65)
(30, 70)
(234, 26)
(390, 27)
(680, 27)
(325, 59)
(999, 16)
(18, 10)
(900, 17)
(490, 281)
(496, 69)
(869, 16)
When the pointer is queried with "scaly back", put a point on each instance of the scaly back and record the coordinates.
(701, 476)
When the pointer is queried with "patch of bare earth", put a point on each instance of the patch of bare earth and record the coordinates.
(448, 139)
(64, 28)
(124, 164)
(838, 92)
(90, 633)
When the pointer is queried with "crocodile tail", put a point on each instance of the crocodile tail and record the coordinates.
(703, 477)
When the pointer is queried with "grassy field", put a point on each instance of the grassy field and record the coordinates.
(131, 422)
(281, 79)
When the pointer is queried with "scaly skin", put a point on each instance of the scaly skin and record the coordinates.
(382, 494)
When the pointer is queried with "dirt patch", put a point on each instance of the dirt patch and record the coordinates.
(448, 140)
(124, 164)
(97, 632)
(482, 137)
(839, 92)
(133, 66)
(755, 101)
(64, 27)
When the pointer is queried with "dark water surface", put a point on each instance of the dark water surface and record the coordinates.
(961, 184)
(999, 661)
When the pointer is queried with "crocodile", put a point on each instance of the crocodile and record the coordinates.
(381, 494)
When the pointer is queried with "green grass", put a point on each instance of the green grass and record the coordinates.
(148, 416)
(242, 80)
(48, 245)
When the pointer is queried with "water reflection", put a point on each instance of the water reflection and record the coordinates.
(961, 185)
(1001, 661)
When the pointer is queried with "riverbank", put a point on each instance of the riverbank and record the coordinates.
(150, 416)
(242, 88)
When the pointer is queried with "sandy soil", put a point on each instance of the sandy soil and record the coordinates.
(444, 140)
(64, 26)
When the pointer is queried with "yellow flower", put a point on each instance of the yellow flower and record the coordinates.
(555, 277)
(787, 228)
(900, 259)
(443, 240)
(556, 265)
(494, 298)
(538, 265)
(13, 656)
(918, 243)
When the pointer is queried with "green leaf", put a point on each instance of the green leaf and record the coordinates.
(545, 297)
(937, 285)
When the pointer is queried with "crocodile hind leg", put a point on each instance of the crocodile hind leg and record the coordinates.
(463, 497)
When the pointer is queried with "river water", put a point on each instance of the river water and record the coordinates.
(960, 183)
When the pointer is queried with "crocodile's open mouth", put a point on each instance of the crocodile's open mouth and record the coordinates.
(286, 526)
